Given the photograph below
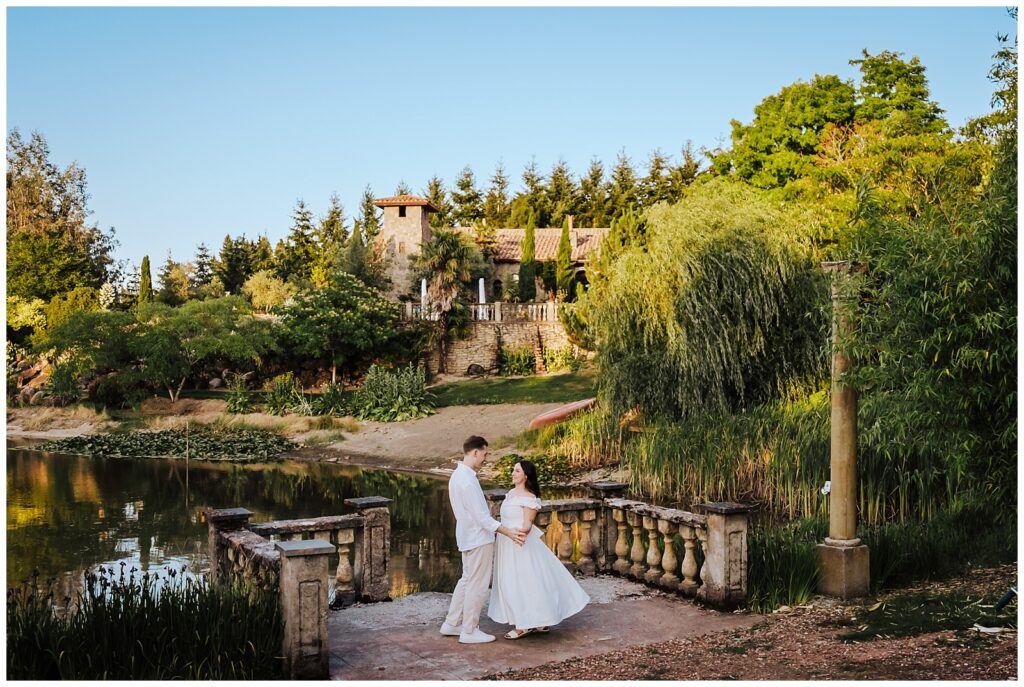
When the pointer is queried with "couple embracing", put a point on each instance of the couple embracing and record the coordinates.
(531, 589)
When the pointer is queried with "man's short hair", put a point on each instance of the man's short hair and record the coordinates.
(474, 442)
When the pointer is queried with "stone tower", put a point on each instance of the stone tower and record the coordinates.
(405, 228)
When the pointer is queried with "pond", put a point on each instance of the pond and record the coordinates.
(68, 513)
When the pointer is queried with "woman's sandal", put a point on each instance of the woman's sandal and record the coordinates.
(517, 633)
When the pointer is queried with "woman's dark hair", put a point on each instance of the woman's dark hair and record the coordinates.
(532, 483)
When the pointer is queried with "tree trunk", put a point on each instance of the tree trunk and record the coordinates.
(442, 364)
(176, 394)
(334, 373)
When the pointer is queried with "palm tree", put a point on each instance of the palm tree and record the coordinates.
(447, 258)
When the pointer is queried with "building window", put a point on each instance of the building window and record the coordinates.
(497, 289)
(401, 211)
(401, 247)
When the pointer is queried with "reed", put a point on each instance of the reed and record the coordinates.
(142, 627)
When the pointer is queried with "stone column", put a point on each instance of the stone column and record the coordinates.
(844, 560)
(606, 525)
(494, 498)
(374, 549)
(217, 521)
(303, 598)
(724, 574)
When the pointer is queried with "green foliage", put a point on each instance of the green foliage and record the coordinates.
(332, 401)
(341, 324)
(550, 469)
(562, 358)
(563, 388)
(528, 266)
(118, 389)
(467, 200)
(782, 564)
(175, 280)
(50, 249)
(201, 442)
(175, 341)
(129, 627)
(564, 266)
(63, 382)
(281, 394)
(721, 312)
(238, 399)
(145, 282)
(266, 291)
(25, 314)
(890, 85)
(393, 395)
(517, 361)
(61, 308)
(97, 341)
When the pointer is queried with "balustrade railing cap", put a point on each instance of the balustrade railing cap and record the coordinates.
(309, 547)
(217, 514)
(368, 502)
(607, 485)
(725, 508)
(495, 494)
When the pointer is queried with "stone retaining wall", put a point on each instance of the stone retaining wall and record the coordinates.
(487, 338)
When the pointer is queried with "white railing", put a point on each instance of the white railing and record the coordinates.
(492, 312)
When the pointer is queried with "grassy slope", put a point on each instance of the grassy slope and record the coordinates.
(557, 388)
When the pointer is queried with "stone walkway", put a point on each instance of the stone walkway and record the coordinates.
(399, 640)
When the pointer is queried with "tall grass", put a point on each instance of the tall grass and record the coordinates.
(130, 627)
(782, 560)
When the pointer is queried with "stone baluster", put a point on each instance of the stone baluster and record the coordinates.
(605, 523)
(344, 578)
(567, 518)
(303, 599)
(217, 521)
(653, 575)
(621, 564)
(668, 559)
(586, 562)
(374, 549)
(637, 552)
(688, 585)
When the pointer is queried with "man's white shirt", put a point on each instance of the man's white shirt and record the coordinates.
(474, 525)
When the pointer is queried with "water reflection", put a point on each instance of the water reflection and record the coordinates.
(68, 513)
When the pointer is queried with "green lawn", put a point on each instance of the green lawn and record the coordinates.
(557, 388)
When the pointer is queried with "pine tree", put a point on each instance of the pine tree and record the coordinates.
(622, 193)
(174, 282)
(683, 174)
(145, 282)
(467, 199)
(262, 256)
(593, 196)
(369, 217)
(564, 264)
(353, 260)
(202, 272)
(297, 261)
(561, 194)
(531, 198)
(656, 186)
(438, 197)
(233, 265)
(403, 189)
(331, 236)
(497, 210)
(528, 263)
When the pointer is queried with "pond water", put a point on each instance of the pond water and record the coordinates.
(68, 513)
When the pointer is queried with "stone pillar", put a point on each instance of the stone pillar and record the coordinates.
(586, 562)
(374, 549)
(303, 598)
(494, 498)
(724, 574)
(606, 525)
(844, 560)
(217, 521)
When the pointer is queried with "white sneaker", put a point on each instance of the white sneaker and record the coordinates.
(451, 630)
(477, 636)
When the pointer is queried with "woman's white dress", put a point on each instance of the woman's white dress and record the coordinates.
(530, 586)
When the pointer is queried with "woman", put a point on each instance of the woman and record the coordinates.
(531, 589)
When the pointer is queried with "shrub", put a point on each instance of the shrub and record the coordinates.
(281, 394)
(63, 382)
(550, 469)
(118, 390)
(393, 395)
(238, 398)
(563, 358)
(132, 628)
(331, 402)
(516, 361)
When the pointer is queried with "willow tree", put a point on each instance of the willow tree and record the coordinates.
(447, 260)
(721, 311)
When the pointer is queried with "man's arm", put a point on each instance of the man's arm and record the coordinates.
(476, 508)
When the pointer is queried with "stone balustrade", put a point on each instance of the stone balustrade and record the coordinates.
(701, 555)
(492, 312)
(292, 557)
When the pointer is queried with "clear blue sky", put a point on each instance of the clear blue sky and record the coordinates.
(192, 123)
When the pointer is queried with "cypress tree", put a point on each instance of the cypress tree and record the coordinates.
(563, 264)
(145, 282)
(528, 264)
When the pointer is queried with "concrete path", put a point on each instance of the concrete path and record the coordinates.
(399, 640)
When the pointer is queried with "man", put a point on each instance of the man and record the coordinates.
(474, 534)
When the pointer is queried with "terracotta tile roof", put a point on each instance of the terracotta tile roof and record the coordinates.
(509, 248)
(404, 200)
